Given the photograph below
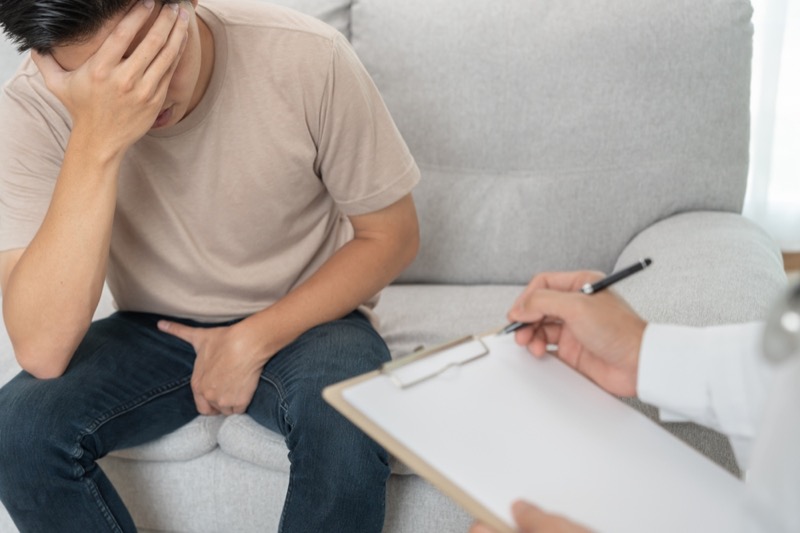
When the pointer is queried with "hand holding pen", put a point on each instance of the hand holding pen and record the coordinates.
(591, 288)
(600, 336)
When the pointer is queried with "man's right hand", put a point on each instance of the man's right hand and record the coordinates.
(113, 85)
(116, 94)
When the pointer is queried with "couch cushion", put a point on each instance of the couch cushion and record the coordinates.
(243, 438)
(414, 316)
(550, 133)
(193, 440)
(8, 364)
(9, 59)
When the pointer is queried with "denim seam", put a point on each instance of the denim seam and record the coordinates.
(275, 382)
(272, 380)
(102, 507)
(286, 502)
(136, 402)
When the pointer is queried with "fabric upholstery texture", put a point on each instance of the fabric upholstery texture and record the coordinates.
(521, 114)
(551, 135)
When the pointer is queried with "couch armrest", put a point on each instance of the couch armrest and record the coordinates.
(708, 268)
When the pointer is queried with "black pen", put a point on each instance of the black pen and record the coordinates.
(591, 288)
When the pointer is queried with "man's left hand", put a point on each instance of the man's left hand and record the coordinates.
(227, 368)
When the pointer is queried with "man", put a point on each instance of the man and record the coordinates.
(716, 376)
(233, 174)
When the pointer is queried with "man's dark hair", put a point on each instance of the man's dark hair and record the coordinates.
(43, 24)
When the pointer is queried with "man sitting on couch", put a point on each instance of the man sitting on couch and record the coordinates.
(233, 174)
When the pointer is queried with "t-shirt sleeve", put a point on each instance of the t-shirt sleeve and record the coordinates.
(362, 159)
(31, 152)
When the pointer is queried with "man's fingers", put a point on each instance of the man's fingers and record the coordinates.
(166, 59)
(185, 333)
(121, 38)
(203, 406)
(156, 39)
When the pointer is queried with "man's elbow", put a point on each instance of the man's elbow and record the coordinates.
(405, 241)
(412, 245)
(40, 362)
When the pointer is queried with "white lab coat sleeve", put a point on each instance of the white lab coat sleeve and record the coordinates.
(774, 473)
(712, 376)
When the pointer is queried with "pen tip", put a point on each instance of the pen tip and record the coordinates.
(647, 262)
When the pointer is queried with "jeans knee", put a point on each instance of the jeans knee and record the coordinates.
(33, 432)
(326, 441)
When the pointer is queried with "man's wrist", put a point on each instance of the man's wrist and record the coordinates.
(263, 335)
(85, 143)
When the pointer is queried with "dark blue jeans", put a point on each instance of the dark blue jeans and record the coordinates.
(129, 383)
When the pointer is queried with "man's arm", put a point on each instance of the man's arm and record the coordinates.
(230, 360)
(52, 287)
(385, 243)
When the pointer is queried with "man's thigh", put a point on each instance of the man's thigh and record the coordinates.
(127, 383)
(292, 381)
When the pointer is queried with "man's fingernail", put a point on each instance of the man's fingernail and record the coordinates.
(174, 7)
(163, 325)
(184, 14)
(149, 4)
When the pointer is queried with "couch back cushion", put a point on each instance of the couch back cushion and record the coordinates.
(551, 132)
(9, 59)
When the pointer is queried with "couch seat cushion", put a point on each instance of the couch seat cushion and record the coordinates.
(193, 440)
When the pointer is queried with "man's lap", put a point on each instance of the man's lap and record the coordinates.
(292, 381)
(129, 382)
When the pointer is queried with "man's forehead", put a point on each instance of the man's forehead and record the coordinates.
(72, 56)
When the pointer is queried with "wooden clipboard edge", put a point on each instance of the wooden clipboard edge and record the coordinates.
(333, 394)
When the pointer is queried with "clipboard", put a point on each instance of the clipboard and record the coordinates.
(487, 424)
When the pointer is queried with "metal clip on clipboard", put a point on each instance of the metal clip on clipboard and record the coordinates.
(424, 365)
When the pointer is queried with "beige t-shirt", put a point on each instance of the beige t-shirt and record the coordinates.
(224, 213)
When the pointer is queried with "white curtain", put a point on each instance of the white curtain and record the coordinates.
(773, 194)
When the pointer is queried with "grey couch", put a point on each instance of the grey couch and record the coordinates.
(551, 134)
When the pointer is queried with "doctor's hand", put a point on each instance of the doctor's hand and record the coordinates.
(115, 94)
(599, 335)
(227, 368)
(531, 519)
